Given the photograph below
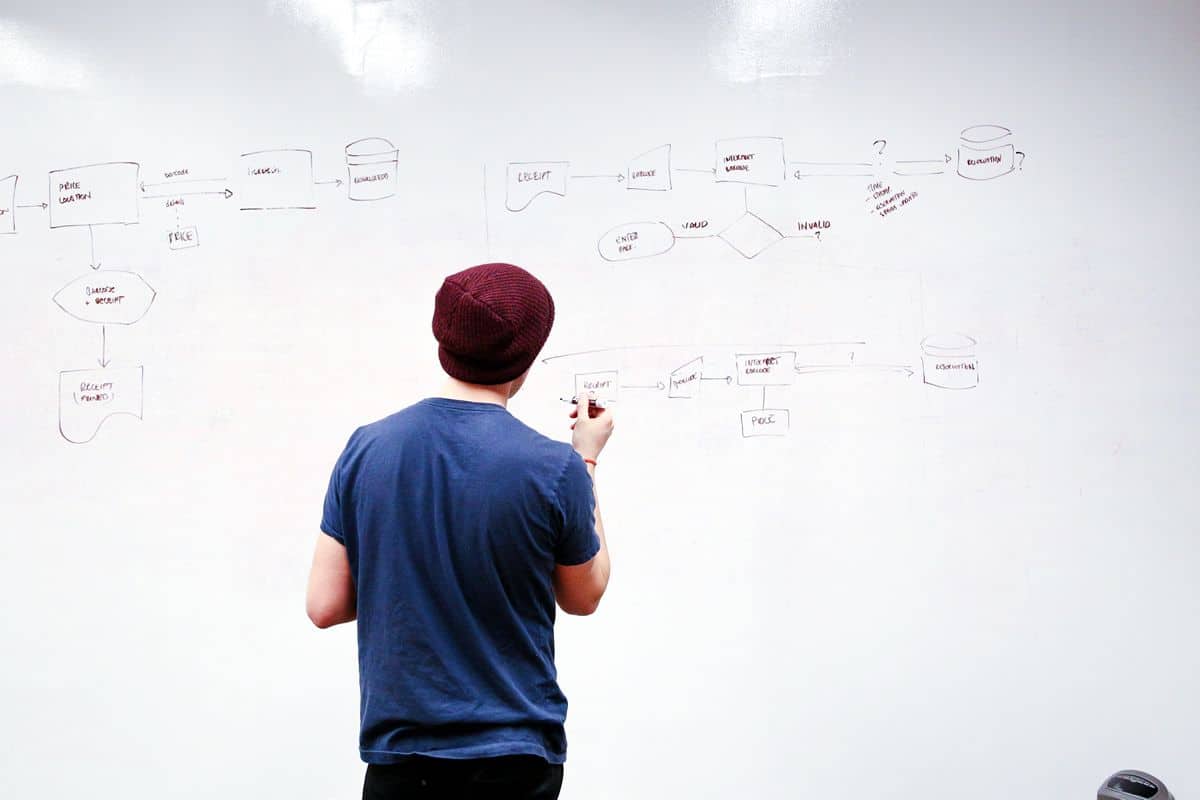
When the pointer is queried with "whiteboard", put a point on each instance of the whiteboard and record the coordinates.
(895, 305)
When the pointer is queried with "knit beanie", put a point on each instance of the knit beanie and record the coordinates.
(490, 322)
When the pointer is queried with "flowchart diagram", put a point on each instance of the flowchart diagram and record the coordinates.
(756, 378)
(982, 153)
(115, 194)
(121, 194)
(266, 180)
(947, 361)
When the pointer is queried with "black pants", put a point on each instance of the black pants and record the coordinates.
(499, 778)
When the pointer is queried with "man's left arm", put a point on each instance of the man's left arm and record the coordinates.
(331, 598)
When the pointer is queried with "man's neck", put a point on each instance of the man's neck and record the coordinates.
(455, 389)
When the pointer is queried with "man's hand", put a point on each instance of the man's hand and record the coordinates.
(591, 430)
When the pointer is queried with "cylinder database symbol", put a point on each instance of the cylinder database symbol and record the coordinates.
(371, 169)
(949, 362)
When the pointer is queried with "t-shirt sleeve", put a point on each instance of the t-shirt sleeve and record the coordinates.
(331, 518)
(577, 541)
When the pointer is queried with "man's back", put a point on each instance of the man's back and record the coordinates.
(454, 514)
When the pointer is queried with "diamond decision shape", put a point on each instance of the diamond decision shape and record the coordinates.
(749, 235)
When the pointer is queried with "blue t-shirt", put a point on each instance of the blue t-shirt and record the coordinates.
(453, 515)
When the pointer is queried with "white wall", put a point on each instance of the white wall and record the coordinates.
(982, 593)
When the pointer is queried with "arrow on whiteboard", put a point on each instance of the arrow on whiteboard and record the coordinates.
(104, 362)
(658, 386)
(42, 206)
(709, 171)
(143, 185)
(809, 369)
(338, 181)
(92, 238)
(617, 178)
(226, 193)
(831, 169)
(923, 167)
(728, 379)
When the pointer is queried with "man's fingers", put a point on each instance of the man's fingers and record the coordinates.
(583, 401)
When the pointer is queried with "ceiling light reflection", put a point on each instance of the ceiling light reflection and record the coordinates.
(381, 42)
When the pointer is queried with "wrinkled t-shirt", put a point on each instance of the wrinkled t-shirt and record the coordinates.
(453, 514)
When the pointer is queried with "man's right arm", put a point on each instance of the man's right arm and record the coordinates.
(578, 588)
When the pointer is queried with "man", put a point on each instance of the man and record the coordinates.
(450, 529)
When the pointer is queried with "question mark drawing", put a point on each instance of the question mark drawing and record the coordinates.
(879, 145)
(1021, 160)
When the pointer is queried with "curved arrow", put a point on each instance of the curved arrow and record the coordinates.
(701, 346)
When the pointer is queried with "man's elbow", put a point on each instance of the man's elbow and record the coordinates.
(581, 608)
(588, 609)
(320, 618)
(326, 616)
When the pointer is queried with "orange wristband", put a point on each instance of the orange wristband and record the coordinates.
(591, 461)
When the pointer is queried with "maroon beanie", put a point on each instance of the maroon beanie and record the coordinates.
(491, 322)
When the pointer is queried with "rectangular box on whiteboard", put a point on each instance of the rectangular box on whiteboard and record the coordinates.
(602, 385)
(766, 369)
(685, 380)
(97, 194)
(276, 180)
(757, 160)
(183, 238)
(765, 422)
